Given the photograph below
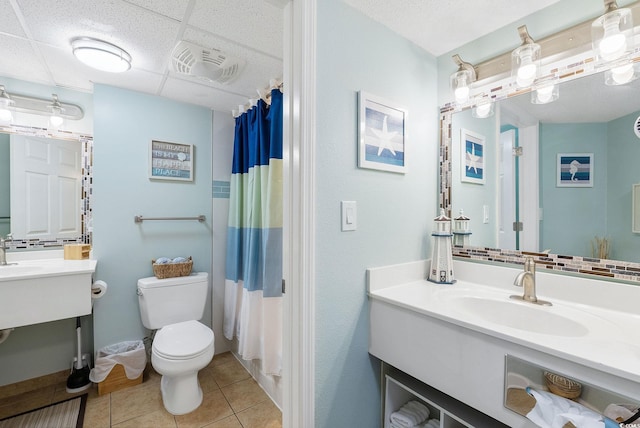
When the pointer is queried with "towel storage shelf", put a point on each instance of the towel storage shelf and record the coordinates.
(399, 388)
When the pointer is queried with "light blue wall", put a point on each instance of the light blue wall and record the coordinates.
(472, 197)
(567, 209)
(622, 166)
(125, 124)
(395, 211)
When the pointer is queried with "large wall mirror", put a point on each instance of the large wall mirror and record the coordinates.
(557, 179)
(45, 187)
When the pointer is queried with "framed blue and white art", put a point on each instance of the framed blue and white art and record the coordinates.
(170, 161)
(381, 134)
(472, 153)
(575, 170)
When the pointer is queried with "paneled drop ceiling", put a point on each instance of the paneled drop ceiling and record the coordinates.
(35, 38)
(35, 44)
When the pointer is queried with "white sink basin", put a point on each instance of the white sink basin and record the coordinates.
(520, 315)
(17, 269)
(37, 291)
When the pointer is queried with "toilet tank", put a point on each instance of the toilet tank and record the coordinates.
(171, 300)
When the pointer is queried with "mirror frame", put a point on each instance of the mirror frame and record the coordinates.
(87, 180)
(606, 269)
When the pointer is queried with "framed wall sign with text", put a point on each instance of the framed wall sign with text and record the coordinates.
(170, 161)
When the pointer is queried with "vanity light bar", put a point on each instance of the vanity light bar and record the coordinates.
(42, 106)
(563, 44)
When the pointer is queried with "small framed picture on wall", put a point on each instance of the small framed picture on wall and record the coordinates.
(575, 170)
(472, 157)
(170, 161)
(381, 134)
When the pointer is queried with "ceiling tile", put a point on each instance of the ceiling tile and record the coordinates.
(8, 21)
(147, 36)
(174, 9)
(238, 20)
(206, 96)
(20, 61)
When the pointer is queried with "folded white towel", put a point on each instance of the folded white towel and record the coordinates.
(410, 415)
(403, 420)
(552, 411)
(432, 423)
(419, 408)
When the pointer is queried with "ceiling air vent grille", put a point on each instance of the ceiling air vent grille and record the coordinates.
(207, 64)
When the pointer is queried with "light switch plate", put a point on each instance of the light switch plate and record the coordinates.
(349, 215)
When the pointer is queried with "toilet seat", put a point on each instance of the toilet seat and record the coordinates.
(182, 341)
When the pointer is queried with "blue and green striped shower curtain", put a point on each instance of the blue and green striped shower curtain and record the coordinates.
(253, 286)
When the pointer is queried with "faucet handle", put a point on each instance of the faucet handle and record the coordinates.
(530, 265)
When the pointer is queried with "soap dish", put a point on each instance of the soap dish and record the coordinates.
(562, 386)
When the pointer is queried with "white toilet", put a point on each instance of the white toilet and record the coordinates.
(182, 345)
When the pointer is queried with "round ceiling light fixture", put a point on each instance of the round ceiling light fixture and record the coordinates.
(101, 55)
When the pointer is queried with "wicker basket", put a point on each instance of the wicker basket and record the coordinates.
(171, 270)
(562, 386)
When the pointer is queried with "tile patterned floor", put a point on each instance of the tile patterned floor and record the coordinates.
(232, 399)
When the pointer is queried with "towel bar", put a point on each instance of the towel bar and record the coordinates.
(140, 219)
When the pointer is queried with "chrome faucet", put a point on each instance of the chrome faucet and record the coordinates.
(527, 280)
(3, 249)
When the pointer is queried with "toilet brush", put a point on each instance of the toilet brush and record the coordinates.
(78, 380)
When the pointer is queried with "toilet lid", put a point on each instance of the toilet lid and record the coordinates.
(182, 340)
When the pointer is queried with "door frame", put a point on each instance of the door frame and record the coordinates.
(299, 78)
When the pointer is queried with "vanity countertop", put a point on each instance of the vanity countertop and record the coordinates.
(27, 268)
(590, 322)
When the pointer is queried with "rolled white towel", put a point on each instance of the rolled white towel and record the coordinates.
(419, 408)
(410, 415)
(432, 423)
(403, 420)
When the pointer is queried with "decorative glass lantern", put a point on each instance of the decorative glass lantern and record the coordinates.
(461, 230)
(441, 270)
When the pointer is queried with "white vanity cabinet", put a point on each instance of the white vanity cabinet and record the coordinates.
(446, 337)
(44, 290)
(399, 388)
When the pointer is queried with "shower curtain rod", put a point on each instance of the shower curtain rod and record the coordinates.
(264, 94)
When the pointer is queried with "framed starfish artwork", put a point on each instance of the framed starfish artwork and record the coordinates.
(472, 151)
(381, 134)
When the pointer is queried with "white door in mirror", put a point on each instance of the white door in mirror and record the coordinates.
(45, 185)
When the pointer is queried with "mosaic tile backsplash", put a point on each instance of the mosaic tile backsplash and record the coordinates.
(613, 269)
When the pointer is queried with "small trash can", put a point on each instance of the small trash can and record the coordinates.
(119, 366)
